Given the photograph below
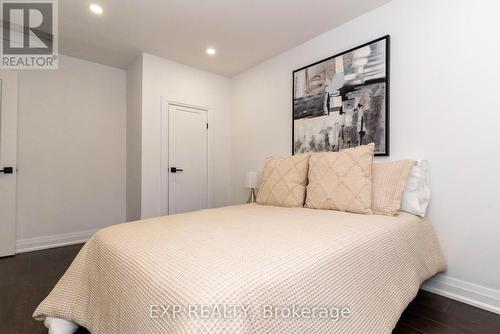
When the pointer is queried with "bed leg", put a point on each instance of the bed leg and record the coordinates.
(60, 326)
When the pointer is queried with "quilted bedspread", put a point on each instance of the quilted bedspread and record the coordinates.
(248, 269)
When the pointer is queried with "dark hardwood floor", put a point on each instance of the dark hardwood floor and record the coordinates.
(25, 279)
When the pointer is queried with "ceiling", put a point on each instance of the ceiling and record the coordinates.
(244, 32)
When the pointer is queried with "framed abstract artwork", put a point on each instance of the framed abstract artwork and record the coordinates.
(343, 101)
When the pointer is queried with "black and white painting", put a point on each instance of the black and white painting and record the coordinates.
(343, 101)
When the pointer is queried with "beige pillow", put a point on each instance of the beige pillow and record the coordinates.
(389, 181)
(341, 180)
(284, 181)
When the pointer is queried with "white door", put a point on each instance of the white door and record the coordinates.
(8, 154)
(187, 159)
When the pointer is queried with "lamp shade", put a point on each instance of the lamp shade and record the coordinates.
(251, 180)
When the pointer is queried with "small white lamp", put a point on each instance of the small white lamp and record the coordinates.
(251, 182)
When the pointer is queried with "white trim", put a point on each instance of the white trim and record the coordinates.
(164, 164)
(52, 241)
(469, 293)
(186, 105)
(164, 157)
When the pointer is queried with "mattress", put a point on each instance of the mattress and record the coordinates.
(248, 269)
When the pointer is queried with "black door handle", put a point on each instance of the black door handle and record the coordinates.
(7, 170)
(175, 170)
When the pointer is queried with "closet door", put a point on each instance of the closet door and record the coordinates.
(188, 159)
(8, 154)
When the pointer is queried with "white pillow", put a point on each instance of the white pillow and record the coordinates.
(417, 193)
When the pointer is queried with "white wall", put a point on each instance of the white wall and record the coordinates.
(184, 84)
(134, 139)
(71, 153)
(444, 108)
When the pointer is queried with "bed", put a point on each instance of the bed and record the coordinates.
(248, 269)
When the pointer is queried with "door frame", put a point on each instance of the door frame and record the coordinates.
(166, 103)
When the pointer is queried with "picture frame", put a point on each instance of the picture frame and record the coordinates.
(343, 101)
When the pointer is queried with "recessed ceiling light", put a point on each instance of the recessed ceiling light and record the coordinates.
(96, 9)
(211, 51)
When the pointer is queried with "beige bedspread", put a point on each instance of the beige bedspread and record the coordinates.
(248, 269)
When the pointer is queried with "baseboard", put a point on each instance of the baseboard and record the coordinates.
(465, 292)
(52, 241)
